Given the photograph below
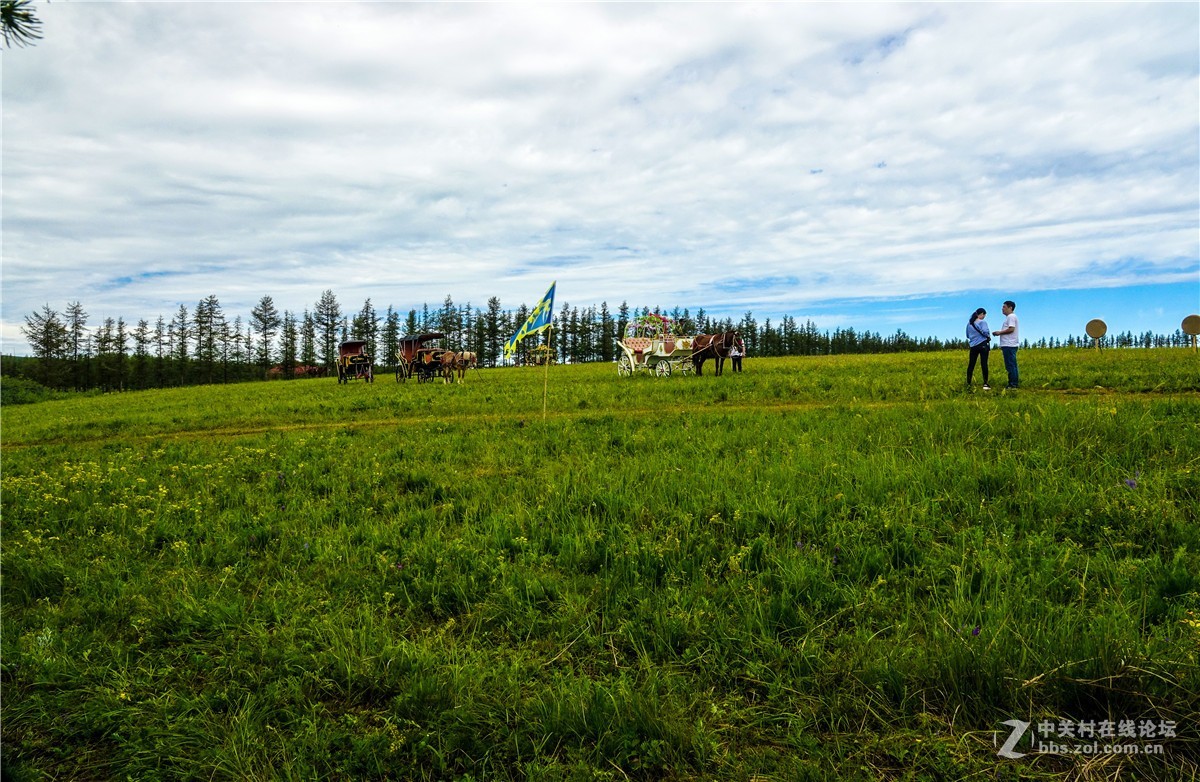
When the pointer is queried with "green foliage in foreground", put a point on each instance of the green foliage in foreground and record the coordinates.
(833, 568)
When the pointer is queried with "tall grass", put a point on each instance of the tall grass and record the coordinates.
(826, 568)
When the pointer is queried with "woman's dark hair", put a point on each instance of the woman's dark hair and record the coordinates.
(976, 315)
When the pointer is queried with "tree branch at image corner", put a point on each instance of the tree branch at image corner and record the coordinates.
(19, 24)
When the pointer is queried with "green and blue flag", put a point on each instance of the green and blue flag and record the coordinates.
(539, 320)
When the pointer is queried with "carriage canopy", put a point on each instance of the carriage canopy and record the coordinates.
(408, 346)
(352, 347)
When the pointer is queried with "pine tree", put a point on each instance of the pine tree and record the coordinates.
(767, 344)
(76, 323)
(288, 345)
(49, 338)
(209, 322)
(575, 329)
(479, 336)
(448, 324)
(237, 353)
(748, 328)
(265, 320)
(788, 335)
(391, 337)
(366, 328)
(465, 324)
(103, 347)
(218, 331)
(563, 329)
(248, 349)
(162, 349)
(308, 340)
(231, 340)
(494, 342)
(328, 317)
(522, 352)
(183, 332)
(608, 334)
(140, 374)
(121, 345)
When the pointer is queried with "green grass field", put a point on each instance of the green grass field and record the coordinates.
(824, 568)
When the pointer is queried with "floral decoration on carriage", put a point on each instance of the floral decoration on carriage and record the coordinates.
(652, 342)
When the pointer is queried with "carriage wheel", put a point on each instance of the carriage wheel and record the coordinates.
(687, 366)
(663, 369)
(624, 366)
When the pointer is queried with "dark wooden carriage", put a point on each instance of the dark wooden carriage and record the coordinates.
(353, 363)
(416, 358)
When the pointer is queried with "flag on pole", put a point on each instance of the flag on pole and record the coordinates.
(538, 320)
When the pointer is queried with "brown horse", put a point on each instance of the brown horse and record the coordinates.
(300, 370)
(714, 346)
(459, 363)
(449, 360)
(466, 360)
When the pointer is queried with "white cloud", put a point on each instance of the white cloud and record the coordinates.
(157, 153)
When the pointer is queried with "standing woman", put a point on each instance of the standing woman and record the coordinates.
(979, 337)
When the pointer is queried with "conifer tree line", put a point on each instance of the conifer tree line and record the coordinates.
(203, 344)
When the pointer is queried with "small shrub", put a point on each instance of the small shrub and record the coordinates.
(16, 390)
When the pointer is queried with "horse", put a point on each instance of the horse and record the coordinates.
(449, 361)
(459, 363)
(714, 346)
(466, 360)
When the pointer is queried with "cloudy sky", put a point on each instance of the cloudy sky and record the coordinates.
(877, 166)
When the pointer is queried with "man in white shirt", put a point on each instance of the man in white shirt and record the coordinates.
(1009, 340)
(736, 352)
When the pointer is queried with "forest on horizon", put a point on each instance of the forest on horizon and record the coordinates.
(204, 345)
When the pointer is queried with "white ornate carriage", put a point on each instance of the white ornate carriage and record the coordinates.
(650, 344)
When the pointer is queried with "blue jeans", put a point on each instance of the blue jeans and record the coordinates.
(1010, 365)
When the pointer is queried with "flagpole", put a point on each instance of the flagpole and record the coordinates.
(549, 358)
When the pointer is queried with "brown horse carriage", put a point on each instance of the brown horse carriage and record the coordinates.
(353, 362)
(415, 357)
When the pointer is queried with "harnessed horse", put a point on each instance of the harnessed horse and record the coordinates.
(464, 361)
(714, 346)
(460, 362)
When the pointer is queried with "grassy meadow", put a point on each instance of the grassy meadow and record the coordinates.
(824, 568)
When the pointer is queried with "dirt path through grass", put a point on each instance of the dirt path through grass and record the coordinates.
(644, 411)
